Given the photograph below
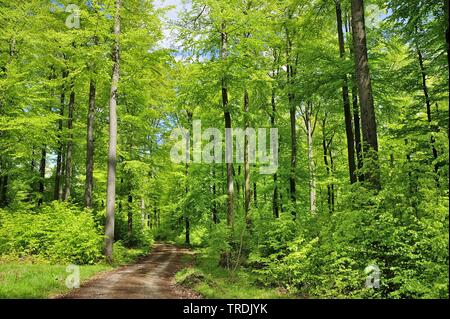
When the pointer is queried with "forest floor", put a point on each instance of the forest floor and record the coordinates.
(151, 277)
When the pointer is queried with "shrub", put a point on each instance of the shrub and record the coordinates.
(58, 232)
(189, 277)
(123, 255)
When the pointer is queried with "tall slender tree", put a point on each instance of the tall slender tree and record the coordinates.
(227, 117)
(112, 153)
(69, 148)
(90, 146)
(57, 195)
(345, 98)
(368, 122)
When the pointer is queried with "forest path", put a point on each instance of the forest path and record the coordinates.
(149, 278)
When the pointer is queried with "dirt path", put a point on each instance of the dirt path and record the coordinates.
(150, 278)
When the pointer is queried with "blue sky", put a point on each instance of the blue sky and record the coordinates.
(180, 5)
(172, 14)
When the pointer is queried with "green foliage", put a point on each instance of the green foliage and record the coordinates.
(58, 232)
(282, 56)
(189, 277)
(411, 253)
(123, 255)
(290, 268)
(219, 283)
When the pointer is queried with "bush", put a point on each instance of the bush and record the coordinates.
(189, 277)
(327, 257)
(123, 255)
(58, 232)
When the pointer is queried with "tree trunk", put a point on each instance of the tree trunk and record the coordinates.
(447, 34)
(368, 123)
(214, 205)
(159, 216)
(356, 121)
(247, 193)
(356, 118)
(187, 239)
(69, 145)
(325, 161)
(130, 218)
(292, 116)
(59, 158)
(155, 215)
(275, 208)
(229, 141)
(412, 182)
(4, 186)
(255, 195)
(346, 100)
(90, 146)
(112, 153)
(143, 214)
(428, 104)
(214, 193)
(311, 165)
(237, 183)
(4, 176)
(42, 175)
(330, 154)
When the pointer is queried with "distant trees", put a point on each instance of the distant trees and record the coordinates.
(47, 126)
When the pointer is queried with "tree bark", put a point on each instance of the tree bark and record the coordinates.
(255, 194)
(57, 195)
(4, 176)
(112, 153)
(428, 104)
(311, 165)
(90, 146)
(4, 190)
(368, 123)
(214, 205)
(214, 193)
(143, 214)
(346, 100)
(275, 207)
(447, 34)
(247, 193)
(327, 164)
(292, 116)
(187, 239)
(330, 154)
(42, 174)
(357, 123)
(356, 118)
(130, 218)
(69, 145)
(227, 117)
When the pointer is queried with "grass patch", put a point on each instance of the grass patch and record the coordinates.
(211, 281)
(35, 278)
(35, 281)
